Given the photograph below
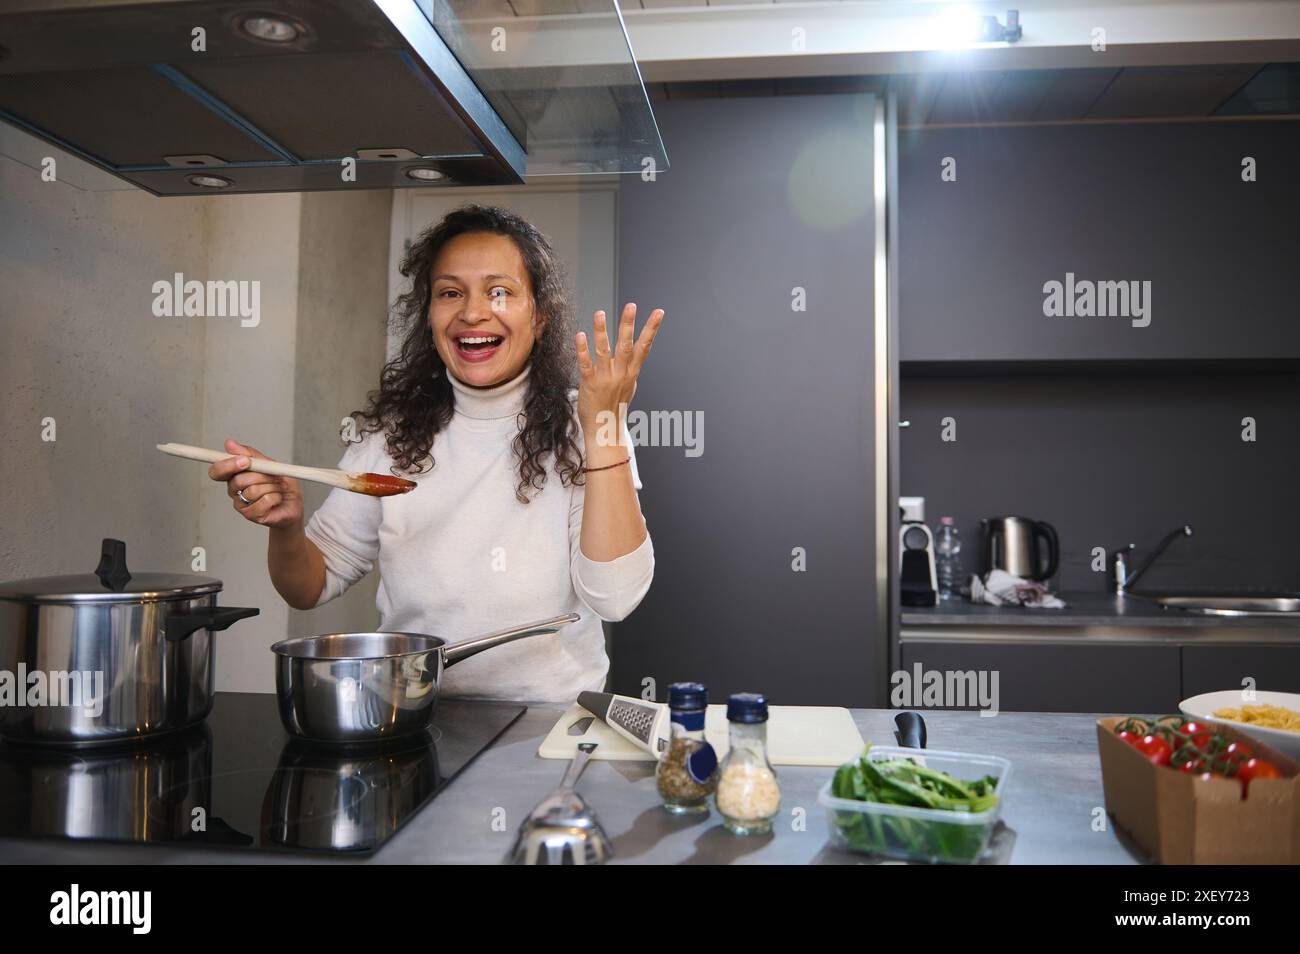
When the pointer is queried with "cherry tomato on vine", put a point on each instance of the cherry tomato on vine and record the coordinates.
(1238, 752)
(1255, 768)
(1197, 733)
(1192, 766)
(1154, 749)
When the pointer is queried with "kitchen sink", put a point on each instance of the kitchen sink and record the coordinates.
(1239, 605)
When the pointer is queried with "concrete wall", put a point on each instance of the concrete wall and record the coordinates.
(248, 387)
(81, 345)
(342, 327)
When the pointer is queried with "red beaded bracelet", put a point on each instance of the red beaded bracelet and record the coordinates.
(588, 470)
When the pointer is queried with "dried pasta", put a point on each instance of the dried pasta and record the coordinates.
(1263, 716)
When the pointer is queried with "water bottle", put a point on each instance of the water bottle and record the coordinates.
(947, 559)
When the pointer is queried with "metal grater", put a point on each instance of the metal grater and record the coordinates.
(634, 717)
(644, 723)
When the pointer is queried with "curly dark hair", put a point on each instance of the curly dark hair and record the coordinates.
(415, 401)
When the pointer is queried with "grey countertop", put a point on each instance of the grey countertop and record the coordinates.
(1053, 797)
(1088, 609)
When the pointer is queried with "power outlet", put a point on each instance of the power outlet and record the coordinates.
(913, 508)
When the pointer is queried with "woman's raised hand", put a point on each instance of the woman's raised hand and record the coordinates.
(266, 500)
(607, 380)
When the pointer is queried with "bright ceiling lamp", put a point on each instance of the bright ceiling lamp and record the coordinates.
(961, 25)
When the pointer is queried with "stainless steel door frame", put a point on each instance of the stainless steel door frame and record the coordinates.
(888, 523)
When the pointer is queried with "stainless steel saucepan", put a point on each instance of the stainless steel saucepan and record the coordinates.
(363, 687)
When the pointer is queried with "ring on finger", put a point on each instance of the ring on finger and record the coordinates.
(240, 495)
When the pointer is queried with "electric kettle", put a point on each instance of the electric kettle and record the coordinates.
(1012, 544)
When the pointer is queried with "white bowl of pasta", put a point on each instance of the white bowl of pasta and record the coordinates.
(1271, 717)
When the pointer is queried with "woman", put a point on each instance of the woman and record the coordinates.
(527, 500)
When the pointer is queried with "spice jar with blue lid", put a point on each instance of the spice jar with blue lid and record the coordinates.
(748, 796)
(687, 772)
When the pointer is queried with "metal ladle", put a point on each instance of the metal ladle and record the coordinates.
(563, 824)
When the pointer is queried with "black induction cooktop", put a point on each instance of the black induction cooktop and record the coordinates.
(239, 781)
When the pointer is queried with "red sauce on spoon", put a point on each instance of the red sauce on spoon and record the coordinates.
(381, 485)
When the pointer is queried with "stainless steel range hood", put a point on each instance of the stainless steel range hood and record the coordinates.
(189, 97)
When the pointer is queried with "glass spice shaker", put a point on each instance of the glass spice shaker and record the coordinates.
(687, 772)
(748, 796)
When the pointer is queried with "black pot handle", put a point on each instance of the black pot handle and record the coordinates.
(112, 571)
(217, 617)
(911, 730)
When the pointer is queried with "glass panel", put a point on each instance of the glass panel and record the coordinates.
(565, 83)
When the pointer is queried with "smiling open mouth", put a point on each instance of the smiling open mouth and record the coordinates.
(478, 346)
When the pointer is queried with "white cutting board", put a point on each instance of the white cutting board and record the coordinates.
(796, 735)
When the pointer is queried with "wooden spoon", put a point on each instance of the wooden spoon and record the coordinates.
(375, 485)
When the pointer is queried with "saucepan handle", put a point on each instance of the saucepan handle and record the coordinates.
(468, 647)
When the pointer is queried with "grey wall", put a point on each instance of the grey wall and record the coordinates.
(248, 389)
(338, 354)
(764, 194)
(1113, 459)
(79, 344)
(82, 346)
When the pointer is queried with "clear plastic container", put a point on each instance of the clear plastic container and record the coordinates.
(918, 834)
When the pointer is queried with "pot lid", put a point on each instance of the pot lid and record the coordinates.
(110, 583)
(86, 588)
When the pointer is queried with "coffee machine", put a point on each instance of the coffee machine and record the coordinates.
(918, 581)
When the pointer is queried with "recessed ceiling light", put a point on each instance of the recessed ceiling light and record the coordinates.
(424, 173)
(271, 29)
(210, 182)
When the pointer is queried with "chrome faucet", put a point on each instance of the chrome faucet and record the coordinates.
(1125, 581)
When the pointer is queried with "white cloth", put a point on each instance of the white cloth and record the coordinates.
(460, 556)
(1000, 588)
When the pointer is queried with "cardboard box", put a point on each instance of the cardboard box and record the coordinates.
(1181, 819)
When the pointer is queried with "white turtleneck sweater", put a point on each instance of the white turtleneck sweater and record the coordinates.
(460, 556)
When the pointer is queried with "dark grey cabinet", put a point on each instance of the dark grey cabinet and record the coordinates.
(1162, 204)
(1063, 678)
(758, 242)
(1066, 677)
(1214, 668)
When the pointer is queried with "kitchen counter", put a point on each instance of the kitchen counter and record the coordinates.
(1105, 611)
(1054, 790)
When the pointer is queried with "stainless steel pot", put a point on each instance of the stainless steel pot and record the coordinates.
(362, 687)
(110, 655)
